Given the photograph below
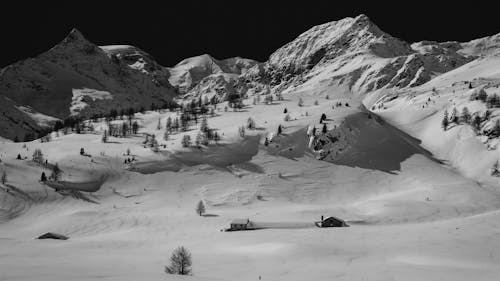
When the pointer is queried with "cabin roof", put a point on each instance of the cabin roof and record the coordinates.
(334, 218)
(239, 221)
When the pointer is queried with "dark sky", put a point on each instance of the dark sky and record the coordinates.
(253, 29)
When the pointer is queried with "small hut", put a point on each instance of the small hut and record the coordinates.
(331, 222)
(240, 224)
(52, 235)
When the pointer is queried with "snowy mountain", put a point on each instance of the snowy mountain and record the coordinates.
(352, 56)
(77, 78)
(206, 76)
(356, 56)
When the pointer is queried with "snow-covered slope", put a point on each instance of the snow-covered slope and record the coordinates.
(407, 212)
(470, 145)
(48, 82)
(483, 46)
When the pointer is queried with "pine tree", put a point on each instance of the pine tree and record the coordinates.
(241, 131)
(158, 126)
(454, 116)
(266, 142)
(476, 122)
(204, 125)
(323, 118)
(285, 111)
(4, 177)
(287, 118)
(168, 125)
(165, 136)
(250, 123)
(186, 141)
(216, 137)
(199, 139)
(135, 127)
(445, 121)
(465, 115)
(180, 262)
(200, 208)
(105, 136)
(325, 129)
(56, 173)
(280, 129)
(316, 102)
(496, 129)
(43, 177)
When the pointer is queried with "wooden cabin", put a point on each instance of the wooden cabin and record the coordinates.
(331, 222)
(240, 224)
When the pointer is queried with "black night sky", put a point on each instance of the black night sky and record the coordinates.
(176, 30)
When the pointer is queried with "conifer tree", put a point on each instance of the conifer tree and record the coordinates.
(445, 121)
(465, 117)
(200, 208)
(56, 173)
(4, 177)
(186, 141)
(105, 136)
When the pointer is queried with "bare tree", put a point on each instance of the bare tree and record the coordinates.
(38, 156)
(180, 262)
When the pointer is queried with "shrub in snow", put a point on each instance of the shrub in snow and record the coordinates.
(287, 117)
(301, 102)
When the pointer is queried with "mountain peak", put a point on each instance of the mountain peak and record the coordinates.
(362, 18)
(74, 35)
